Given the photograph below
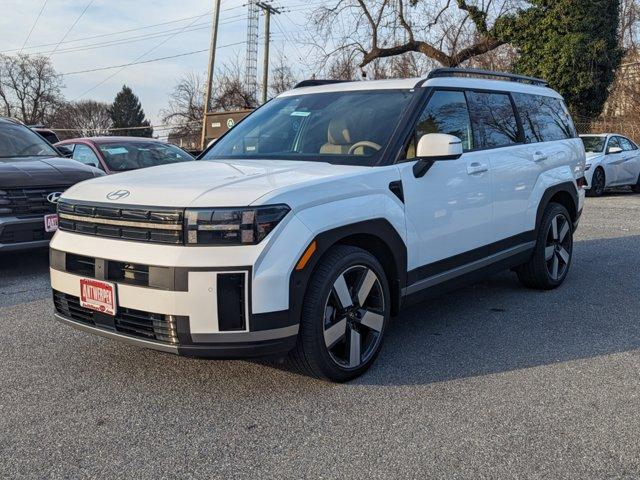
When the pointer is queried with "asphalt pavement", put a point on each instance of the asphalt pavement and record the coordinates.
(491, 381)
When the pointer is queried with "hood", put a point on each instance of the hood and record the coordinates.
(205, 183)
(43, 172)
(591, 156)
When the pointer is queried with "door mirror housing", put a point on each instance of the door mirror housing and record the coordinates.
(435, 147)
(614, 150)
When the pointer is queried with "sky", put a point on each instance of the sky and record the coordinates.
(115, 26)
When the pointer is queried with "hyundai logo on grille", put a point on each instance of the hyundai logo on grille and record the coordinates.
(53, 197)
(118, 194)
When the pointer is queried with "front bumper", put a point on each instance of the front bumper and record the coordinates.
(19, 233)
(194, 311)
(221, 350)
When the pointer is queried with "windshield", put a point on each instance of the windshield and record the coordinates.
(349, 128)
(123, 156)
(593, 144)
(19, 141)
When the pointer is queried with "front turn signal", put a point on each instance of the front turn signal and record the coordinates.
(306, 256)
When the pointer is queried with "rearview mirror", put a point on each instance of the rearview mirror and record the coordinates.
(614, 150)
(434, 147)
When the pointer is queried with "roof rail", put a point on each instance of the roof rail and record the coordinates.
(475, 72)
(314, 82)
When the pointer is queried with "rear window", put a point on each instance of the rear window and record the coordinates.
(494, 121)
(544, 119)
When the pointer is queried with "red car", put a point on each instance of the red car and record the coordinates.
(119, 154)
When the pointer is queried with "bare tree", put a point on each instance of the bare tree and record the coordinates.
(342, 67)
(282, 77)
(449, 32)
(186, 109)
(629, 23)
(230, 91)
(29, 87)
(85, 118)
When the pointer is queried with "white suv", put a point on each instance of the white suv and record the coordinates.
(309, 224)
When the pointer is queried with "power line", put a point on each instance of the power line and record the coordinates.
(147, 61)
(119, 32)
(73, 25)
(138, 38)
(158, 45)
(44, 4)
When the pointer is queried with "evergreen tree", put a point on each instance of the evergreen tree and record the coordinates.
(574, 44)
(126, 112)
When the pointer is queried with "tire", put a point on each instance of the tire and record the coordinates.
(548, 266)
(337, 341)
(636, 188)
(598, 183)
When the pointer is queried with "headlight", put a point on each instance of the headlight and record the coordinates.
(232, 226)
(587, 167)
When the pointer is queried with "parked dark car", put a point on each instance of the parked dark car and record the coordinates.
(119, 154)
(32, 177)
(46, 133)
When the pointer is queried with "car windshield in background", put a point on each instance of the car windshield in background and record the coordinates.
(349, 128)
(593, 144)
(19, 141)
(120, 157)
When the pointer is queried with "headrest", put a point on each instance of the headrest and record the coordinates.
(338, 132)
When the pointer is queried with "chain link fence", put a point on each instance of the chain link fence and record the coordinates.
(623, 127)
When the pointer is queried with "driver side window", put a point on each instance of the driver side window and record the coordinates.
(447, 112)
(84, 154)
(613, 143)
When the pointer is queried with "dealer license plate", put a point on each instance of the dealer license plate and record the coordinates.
(97, 295)
(51, 222)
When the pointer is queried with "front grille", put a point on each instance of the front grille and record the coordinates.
(153, 225)
(27, 201)
(136, 323)
(21, 233)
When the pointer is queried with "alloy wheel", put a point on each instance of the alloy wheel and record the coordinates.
(598, 182)
(557, 252)
(354, 316)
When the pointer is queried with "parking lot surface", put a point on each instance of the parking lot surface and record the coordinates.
(489, 381)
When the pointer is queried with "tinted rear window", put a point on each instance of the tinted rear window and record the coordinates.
(544, 119)
(494, 121)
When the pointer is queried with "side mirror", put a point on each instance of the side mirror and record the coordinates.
(434, 147)
(614, 150)
(65, 151)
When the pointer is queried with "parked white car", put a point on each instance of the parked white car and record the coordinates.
(309, 224)
(612, 161)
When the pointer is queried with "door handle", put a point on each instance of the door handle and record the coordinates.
(477, 167)
(539, 157)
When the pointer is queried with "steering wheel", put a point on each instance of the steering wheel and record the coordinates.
(364, 143)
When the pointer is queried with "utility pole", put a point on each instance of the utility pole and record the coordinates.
(212, 59)
(268, 10)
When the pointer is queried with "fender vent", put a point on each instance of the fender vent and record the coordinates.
(397, 190)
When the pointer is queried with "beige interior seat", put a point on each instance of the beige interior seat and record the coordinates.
(338, 138)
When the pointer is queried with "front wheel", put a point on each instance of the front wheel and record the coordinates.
(345, 312)
(549, 264)
(598, 183)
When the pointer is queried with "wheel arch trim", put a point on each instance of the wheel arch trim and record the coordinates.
(563, 187)
(378, 228)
